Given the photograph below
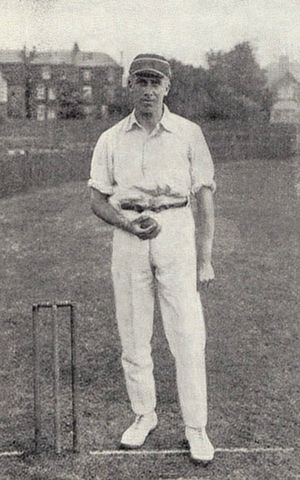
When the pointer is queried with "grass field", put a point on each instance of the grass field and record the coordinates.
(52, 247)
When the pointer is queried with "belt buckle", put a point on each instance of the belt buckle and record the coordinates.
(139, 209)
(151, 205)
(159, 208)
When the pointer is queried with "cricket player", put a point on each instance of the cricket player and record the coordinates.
(144, 172)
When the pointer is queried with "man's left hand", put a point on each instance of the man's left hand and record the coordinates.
(205, 274)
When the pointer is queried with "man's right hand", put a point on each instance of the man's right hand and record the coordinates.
(144, 227)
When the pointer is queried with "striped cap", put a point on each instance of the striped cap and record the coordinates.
(151, 63)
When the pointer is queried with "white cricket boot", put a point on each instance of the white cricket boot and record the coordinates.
(201, 448)
(136, 434)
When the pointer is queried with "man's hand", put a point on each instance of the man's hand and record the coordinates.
(205, 274)
(144, 227)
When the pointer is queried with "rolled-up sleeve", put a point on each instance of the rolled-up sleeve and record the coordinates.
(201, 164)
(101, 173)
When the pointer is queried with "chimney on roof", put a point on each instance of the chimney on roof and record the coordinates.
(75, 51)
(32, 54)
(284, 65)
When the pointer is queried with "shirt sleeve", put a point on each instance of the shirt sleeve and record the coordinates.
(202, 167)
(101, 172)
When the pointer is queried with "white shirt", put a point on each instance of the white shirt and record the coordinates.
(170, 163)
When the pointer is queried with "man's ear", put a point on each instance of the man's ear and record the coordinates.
(167, 86)
(130, 82)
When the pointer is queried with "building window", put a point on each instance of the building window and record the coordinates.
(63, 74)
(41, 92)
(104, 110)
(87, 75)
(88, 109)
(51, 94)
(46, 73)
(51, 114)
(3, 90)
(87, 92)
(41, 112)
(286, 93)
(110, 76)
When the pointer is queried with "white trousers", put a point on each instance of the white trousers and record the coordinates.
(170, 261)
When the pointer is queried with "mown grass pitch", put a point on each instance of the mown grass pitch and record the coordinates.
(53, 247)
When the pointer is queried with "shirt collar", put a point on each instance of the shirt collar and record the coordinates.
(165, 121)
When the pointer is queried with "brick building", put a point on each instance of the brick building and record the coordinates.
(12, 71)
(3, 96)
(37, 81)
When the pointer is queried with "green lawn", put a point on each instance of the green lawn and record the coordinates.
(52, 247)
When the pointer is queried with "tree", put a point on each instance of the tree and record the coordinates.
(27, 59)
(238, 74)
(233, 87)
(188, 95)
(69, 101)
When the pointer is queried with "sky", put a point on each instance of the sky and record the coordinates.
(181, 29)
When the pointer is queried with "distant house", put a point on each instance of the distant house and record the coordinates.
(275, 71)
(284, 81)
(35, 81)
(286, 109)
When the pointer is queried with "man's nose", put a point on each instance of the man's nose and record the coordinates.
(148, 90)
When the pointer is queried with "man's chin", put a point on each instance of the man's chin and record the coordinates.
(147, 108)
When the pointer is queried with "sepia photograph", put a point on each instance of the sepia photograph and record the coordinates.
(149, 239)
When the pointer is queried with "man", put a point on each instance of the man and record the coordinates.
(143, 173)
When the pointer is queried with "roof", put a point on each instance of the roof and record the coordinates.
(92, 59)
(10, 56)
(274, 72)
(81, 59)
(287, 78)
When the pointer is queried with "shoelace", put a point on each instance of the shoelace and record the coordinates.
(138, 420)
(197, 433)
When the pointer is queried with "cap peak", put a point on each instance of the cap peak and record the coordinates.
(150, 62)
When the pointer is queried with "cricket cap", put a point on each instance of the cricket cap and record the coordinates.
(150, 63)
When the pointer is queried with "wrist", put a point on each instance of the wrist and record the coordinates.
(204, 262)
(205, 255)
(125, 224)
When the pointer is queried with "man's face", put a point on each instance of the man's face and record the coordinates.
(148, 92)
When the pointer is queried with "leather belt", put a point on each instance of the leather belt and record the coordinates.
(141, 208)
